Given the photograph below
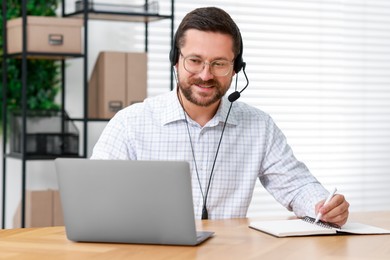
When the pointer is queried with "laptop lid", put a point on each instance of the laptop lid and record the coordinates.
(123, 201)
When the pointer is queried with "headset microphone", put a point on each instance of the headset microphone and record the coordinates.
(236, 94)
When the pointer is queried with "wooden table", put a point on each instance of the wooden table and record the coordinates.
(233, 240)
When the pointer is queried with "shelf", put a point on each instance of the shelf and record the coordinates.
(45, 55)
(148, 12)
(40, 157)
(90, 119)
(119, 16)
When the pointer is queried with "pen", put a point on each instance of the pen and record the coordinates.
(319, 215)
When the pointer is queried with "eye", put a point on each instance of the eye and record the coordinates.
(220, 63)
(194, 60)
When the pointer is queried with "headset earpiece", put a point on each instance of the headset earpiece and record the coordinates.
(173, 54)
(173, 57)
(238, 62)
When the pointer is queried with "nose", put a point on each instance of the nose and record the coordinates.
(206, 74)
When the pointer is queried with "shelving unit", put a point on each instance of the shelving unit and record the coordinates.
(86, 14)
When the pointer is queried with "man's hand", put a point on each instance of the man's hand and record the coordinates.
(336, 211)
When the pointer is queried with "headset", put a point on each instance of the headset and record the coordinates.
(238, 61)
(238, 65)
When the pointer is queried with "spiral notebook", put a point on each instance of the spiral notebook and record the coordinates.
(307, 227)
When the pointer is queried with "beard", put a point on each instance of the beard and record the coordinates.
(199, 99)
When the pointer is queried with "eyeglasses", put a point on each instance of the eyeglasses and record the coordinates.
(218, 68)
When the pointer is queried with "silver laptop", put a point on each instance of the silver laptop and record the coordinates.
(120, 201)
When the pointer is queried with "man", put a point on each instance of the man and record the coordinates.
(228, 144)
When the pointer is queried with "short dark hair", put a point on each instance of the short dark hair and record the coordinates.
(209, 19)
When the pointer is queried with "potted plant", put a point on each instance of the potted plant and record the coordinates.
(43, 85)
(43, 76)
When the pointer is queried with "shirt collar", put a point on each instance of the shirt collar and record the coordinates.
(175, 111)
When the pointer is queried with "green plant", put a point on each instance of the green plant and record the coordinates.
(43, 77)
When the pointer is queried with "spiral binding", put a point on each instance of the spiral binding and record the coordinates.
(321, 223)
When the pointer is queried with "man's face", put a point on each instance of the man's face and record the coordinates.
(203, 88)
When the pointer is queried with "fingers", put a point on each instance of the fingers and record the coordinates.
(336, 211)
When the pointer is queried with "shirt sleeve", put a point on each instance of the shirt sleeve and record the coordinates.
(114, 142)
(287, 179)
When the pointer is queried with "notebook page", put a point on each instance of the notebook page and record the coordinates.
(362, 229)
(285, 228)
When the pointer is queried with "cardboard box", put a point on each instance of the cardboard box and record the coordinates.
(46, 34)
(136, 78)
(118, 79)
(58, 214)
(43, 209)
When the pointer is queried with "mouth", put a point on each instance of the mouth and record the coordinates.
(204, 86)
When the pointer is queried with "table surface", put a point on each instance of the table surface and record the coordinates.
(232, 240)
